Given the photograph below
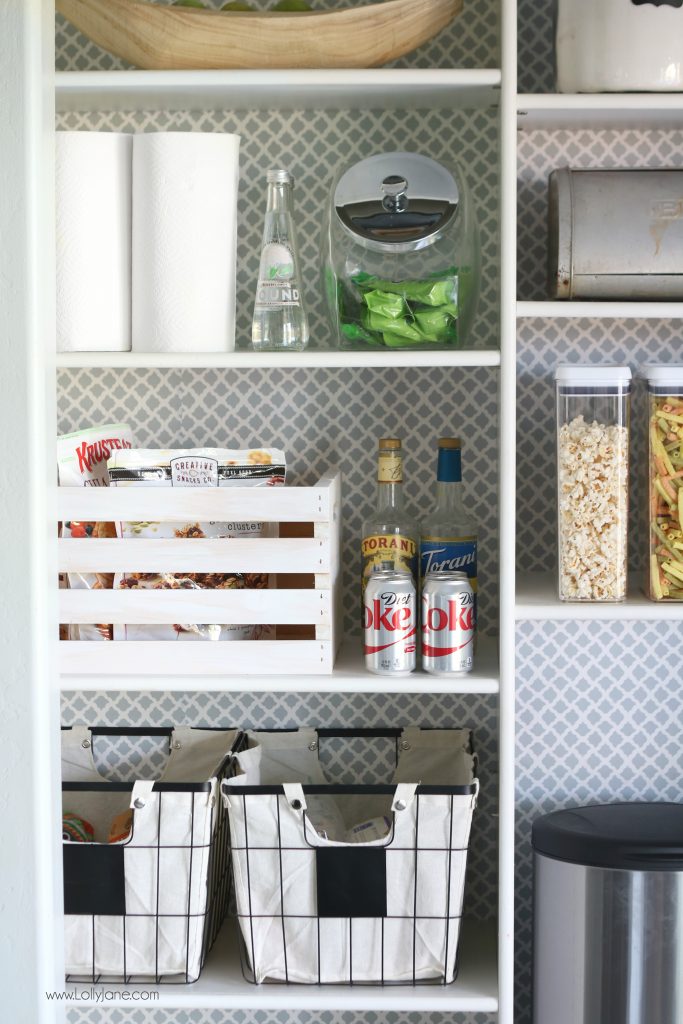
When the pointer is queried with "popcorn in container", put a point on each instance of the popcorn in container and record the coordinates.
(593, 409)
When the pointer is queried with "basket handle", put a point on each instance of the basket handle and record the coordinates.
(294, 795)
(126, 730)
(140, 794)
(404, 796)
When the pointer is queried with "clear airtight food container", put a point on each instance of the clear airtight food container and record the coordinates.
(665, 483)
(593, 409)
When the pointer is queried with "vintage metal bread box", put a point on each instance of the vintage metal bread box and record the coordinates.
(615, 234)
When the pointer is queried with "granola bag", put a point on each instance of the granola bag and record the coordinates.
(82, 462)
(195, 467)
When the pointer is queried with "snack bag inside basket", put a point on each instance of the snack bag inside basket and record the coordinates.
(195, 467)
(82, 462)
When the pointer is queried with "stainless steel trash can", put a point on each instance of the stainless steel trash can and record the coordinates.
(608, 915)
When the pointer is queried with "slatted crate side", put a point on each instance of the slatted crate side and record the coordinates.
(183, 504)
(225, 554)
(316, 557)
(329, 534)
(89, 662)
(313, 607)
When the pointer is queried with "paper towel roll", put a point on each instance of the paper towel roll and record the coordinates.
(93, 205)
(184, 237)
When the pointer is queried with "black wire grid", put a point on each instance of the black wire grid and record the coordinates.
(94, 878)
(347, 891)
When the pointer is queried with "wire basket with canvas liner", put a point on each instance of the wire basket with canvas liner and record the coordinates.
(350, 884)
(145, 894)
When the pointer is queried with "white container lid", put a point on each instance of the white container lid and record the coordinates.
(664, 376)
(583, 375)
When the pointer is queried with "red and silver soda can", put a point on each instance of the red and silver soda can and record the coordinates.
(390, 623)
(447, 624)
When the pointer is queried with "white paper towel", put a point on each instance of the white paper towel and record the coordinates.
(184, 237)
(93, 205)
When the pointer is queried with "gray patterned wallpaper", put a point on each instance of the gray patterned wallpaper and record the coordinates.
(599, 719)
(535, 48)
(314, 145)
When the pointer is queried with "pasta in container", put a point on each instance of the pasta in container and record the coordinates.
(665, 483)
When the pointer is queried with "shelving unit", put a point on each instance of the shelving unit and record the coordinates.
(549, 112)
(27, 411)
(312, 358)
(574, 749)
(601, 310)
(537, 599)
(485, 984)
(485, 981)
(181, 669)
(486, 952)
(221, 985)
(276, 90)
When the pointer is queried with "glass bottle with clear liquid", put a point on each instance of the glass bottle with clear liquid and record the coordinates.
(390, 535)
(280, 321)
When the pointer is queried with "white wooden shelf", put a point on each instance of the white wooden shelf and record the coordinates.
(199, 667)
(537, 599)
(601, 310)
(276, 90)
(617, 111)
(221, 985)
(293, 360)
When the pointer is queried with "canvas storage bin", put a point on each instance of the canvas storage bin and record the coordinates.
(315, 903)
(149, 906)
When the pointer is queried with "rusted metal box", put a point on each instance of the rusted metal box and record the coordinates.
(615, 234)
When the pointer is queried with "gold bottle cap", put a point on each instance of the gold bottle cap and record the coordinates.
(449, 442)
(389, 442)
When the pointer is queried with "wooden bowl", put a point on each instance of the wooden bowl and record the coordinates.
(150, 35)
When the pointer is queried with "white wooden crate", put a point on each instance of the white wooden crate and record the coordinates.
(317, 556)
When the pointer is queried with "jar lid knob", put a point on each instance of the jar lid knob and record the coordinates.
(395, 188)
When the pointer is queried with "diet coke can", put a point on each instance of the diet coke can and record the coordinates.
(447, 624)
(390, 623)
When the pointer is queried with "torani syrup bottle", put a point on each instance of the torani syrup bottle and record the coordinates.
(448, 540)
(389, 535)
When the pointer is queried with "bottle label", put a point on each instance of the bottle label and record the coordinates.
(390, 469)
(439, 554)
(449, 555)
(388, 551)
(276, 284)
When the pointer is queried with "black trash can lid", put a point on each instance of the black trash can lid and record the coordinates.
(630, 836)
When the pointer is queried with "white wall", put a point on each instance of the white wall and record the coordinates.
(28, 722)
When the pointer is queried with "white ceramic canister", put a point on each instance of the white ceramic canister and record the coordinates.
(619, 46)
